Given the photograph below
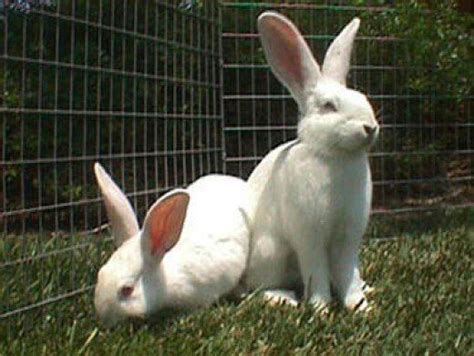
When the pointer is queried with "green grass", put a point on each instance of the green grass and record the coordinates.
(424, 286)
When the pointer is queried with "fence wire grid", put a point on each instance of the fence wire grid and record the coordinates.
(423, 158)
(163, 92)
(135, 85)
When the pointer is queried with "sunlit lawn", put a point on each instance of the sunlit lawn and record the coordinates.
(424, 287)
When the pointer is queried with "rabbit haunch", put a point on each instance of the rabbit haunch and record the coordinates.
(311, 197)
(192, 249)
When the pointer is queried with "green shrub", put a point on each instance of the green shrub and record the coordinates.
(438, 44)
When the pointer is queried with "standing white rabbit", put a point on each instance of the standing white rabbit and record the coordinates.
(312, 195)
(193, 248)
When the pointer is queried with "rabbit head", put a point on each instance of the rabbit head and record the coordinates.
(334, 118)
(131, 283)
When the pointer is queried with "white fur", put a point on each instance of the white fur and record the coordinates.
(206, 263)
(312, 196)
(119, 211)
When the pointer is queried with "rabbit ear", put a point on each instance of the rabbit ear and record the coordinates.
(338, 57)
(119, 211)
(288, 55)
(164, 222)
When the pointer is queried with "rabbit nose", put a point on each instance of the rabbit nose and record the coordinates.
(369, 129)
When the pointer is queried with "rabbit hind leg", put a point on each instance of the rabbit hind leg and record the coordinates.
(280, 296)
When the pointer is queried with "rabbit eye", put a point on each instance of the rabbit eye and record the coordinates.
(329, 106)
(126, 292)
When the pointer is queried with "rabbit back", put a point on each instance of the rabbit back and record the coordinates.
(210, 258)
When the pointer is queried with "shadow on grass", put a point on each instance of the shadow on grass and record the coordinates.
(415, 224)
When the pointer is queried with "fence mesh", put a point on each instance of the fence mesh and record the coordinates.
(135, 85)
(162, 92)
(423, 159)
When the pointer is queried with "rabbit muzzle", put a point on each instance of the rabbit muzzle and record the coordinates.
(106, 311)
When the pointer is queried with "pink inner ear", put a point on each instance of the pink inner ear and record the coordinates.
(285, 48)
(166, 222)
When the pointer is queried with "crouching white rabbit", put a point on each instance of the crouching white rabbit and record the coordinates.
(312, 195)
(192, 249)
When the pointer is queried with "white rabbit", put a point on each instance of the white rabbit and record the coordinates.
(193, 248)
(312, 195)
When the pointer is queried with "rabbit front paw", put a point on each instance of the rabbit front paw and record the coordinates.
(320, 305)
(360, 305)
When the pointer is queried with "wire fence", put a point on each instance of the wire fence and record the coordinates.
(423, 159)
(163, 92)
(135, 85)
